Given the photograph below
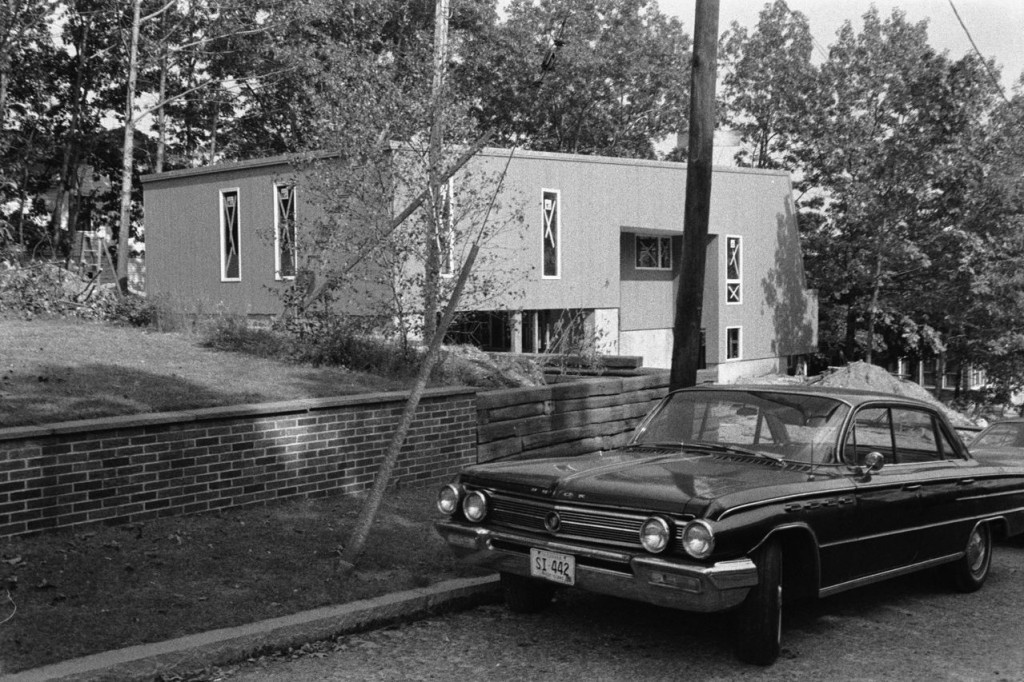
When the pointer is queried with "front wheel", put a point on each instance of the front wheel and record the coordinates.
(968, 573)
(758, 629)
(526, 595)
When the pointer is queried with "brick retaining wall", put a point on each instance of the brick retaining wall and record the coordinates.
(128, 469)
(565, 419)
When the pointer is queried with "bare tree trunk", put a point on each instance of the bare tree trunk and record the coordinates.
(357, 540)
(432, 262)
(127, 164)
(873, 308)
(161, 116)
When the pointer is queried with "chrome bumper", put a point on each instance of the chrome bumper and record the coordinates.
(669, 582)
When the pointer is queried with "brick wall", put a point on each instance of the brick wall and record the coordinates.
(133, 468)
(565, 419)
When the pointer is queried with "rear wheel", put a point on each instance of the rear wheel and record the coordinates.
(526, 595)
(758, 629)
(968, 573)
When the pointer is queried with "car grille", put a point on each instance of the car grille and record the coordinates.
(621, 529)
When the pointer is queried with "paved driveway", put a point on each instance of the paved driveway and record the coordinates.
(912, 628)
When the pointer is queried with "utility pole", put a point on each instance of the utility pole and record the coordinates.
(689, 298)
(436, 197)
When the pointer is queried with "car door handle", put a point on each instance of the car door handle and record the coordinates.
(912, 487)
(966, 481)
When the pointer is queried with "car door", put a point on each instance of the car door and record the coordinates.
(945, 485)
(888, 514)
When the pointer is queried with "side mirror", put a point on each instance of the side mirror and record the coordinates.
(873, 461)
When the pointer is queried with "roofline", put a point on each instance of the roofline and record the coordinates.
(495, 152)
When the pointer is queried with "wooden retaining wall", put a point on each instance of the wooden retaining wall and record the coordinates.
(565, 419)
(130, 469)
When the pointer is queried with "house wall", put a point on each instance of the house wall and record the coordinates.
(183, 238)
(604, 204)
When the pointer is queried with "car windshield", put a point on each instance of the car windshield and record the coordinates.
(1008, 435)
(776, 425)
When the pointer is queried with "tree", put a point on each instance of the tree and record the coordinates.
(611, 82)
(767, 83)
(890, 117)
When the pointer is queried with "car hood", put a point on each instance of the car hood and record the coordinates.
(676, 481)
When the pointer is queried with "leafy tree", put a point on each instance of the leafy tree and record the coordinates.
(613, 80)
(767, 84)
(890, 118)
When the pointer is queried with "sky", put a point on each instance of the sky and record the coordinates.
(997, 26)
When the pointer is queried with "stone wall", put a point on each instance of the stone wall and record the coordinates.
(129, 469)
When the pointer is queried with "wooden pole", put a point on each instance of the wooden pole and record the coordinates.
(689, 298)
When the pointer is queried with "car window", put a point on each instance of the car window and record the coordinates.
(914, 431)
(1001, 436)
(871, 432)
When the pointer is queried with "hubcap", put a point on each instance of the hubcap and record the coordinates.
(977, 552)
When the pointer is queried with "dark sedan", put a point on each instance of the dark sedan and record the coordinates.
(728, 498)
(1000, 443)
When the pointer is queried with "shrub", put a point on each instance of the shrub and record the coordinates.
(132, 310)
(233, 333)
(344, 347)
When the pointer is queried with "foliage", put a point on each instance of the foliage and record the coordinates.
(132, 310)
(42, 289)
(767, 82)
(581, 76)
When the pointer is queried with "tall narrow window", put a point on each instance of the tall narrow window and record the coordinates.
(733, 270)
(551, 234)
(446, 230)
(230, 253)
(284, 232)
(653, 253)
(733, 349)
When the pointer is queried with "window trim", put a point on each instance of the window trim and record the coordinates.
(277, 232)
(223, 233)
(557, 232)
(667, 241)
(737, 281)
(739, 343)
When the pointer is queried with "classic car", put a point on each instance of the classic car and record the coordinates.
(1001, 442)
(729, 497)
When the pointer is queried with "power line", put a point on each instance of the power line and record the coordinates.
(988, 67)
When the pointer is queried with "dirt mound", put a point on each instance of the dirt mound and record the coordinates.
(867, 377)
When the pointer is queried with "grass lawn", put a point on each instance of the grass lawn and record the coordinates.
(60, 370)
(84, 590)
(75, 592)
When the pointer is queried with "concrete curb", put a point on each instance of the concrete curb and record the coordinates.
(230, 645)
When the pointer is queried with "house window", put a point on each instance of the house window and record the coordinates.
(653, 253)
(551, 236)
(733, 349)
(445, 235)
(284, 232)
(230, 254)
(733, 270)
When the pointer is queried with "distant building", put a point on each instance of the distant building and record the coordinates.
(598, 252)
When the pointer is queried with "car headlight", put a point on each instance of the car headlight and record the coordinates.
(475, 506)
(448, 499)
(655, 534)
(698, 539)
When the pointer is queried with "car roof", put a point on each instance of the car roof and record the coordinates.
(853, 396)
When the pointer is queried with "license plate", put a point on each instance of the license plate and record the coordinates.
(560, 568)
